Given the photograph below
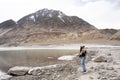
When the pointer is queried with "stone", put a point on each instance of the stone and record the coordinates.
(46, 70)
(109, 68)
(18, 70)
(100, 59)
(110, 59)
(109, 54)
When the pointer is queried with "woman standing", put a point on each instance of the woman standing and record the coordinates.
(82, 55)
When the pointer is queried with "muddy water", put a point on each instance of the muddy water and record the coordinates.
(40, 57)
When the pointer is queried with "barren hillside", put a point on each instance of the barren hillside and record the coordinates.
(52, 27)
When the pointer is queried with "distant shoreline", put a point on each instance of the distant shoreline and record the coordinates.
(65, 46)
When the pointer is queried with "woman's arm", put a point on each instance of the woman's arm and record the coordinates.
(80, 53)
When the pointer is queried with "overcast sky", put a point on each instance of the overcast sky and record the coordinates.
(100, 13)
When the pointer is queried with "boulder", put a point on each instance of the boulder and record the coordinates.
(18, 70)
(46, 70)
(100, 59)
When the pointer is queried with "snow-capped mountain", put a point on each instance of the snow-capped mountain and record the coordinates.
(54, 19)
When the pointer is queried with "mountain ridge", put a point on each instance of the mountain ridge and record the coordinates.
(51, 27)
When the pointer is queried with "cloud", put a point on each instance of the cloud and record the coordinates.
(101, 13)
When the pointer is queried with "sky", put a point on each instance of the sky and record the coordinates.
(100, 13)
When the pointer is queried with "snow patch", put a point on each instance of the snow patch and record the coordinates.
(43, 14)
(32, 18)
(67, 57)
(50, 15)
(61, 16)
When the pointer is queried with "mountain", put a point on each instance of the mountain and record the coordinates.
(51, 27)
(107, 33)
(7, 24)
(98, 34)
(54, 19)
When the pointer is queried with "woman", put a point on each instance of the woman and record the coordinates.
(82, 55)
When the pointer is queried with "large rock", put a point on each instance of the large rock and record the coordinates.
(51, 72)
(18, 70)
(46, 70)
(100, 59)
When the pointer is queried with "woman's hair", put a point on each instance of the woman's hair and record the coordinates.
(81, 47)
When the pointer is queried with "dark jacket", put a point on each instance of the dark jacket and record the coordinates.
(83, 54)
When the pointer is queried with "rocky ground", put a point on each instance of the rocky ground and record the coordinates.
(102, 64)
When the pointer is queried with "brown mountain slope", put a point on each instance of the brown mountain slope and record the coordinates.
(43, 37)
(44, 25)
(98, 34)
(116, 36)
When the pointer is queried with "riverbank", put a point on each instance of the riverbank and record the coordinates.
(102, 64)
